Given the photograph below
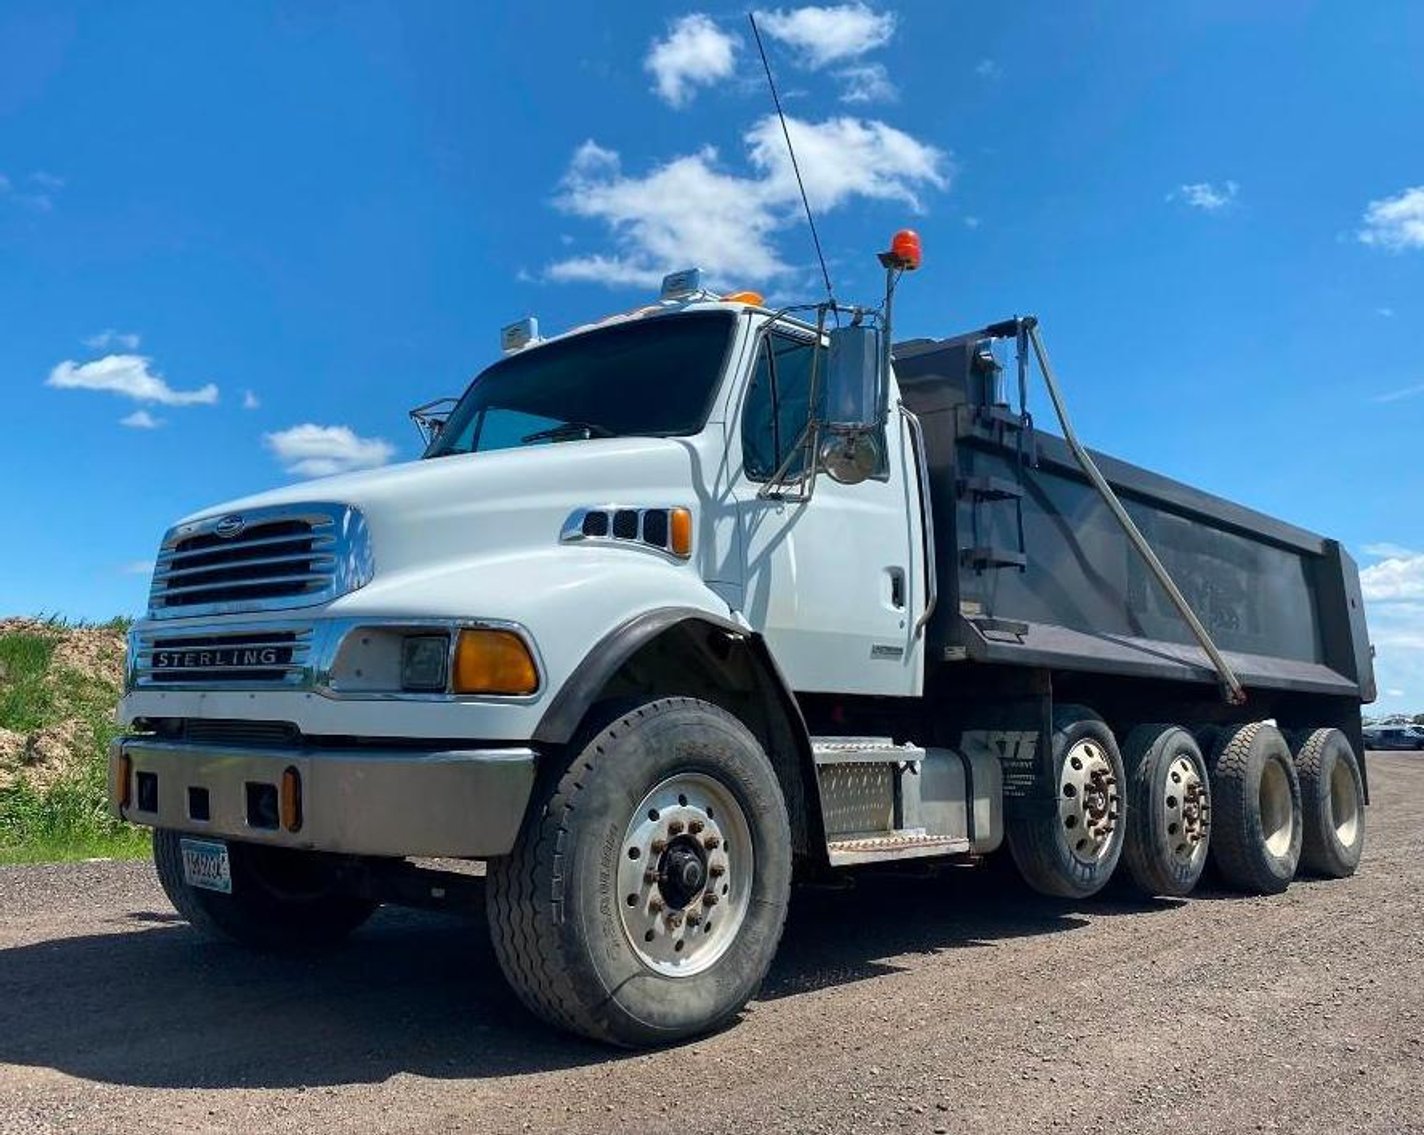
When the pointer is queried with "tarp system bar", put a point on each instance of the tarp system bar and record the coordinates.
(1026, 328)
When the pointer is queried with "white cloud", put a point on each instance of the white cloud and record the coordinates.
(867, 82)
(1394, 598)
(1206, 196)
(141, 420)
(1399, 577)
(130, 376)
(696, 52)
(824, 35)
(137, 567)
(250, 401)
(318, 451)
(987, 69)
(1395, 223)
(691, 210)
(843, 158)
(1400, 394)
(39, 199)
(972, 222)
(111, 338)
(1386, 550)
(1385, 312)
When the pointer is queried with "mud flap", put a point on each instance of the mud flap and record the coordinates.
(1019, 735)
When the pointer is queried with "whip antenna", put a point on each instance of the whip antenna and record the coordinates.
(795, 167)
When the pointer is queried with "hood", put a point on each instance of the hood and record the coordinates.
(423, 512)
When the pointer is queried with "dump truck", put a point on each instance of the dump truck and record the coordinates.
(708, 597)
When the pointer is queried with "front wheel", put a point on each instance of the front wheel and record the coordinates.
(645, 896)
(281, 900)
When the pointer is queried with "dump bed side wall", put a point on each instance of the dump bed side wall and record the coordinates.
(1285, 597)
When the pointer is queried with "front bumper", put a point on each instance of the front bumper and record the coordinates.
(458, 802)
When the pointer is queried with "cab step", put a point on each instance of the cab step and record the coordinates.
(892, 845)
(862, 751)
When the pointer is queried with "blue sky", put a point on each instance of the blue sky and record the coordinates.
(222, 224)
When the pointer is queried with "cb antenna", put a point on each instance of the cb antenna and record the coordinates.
(795, 167)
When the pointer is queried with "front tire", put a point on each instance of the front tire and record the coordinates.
(646, 894)
(1072, 852)
(281, 900)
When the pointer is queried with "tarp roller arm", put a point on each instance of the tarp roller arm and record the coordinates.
(1231, 687)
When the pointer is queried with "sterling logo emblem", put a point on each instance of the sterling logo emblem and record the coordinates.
(229, 526)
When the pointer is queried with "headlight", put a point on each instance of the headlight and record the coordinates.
(489, 661)
(425, 662)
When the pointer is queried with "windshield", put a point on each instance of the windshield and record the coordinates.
(646, 378)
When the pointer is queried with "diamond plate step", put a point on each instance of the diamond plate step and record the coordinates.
(862, 751)
(894, 845)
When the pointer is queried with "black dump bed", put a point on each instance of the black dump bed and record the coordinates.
(1034, 569)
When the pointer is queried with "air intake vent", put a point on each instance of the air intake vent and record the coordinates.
(262, 560)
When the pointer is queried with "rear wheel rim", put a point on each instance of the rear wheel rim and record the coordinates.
(1186, 811)
(1088, 804)
(1344, 804)
(1277, 811)
(685, 874)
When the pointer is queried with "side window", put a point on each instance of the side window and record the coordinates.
(776, 412)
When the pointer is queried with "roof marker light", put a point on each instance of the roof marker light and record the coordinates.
(519, 335)
(681, 285)
(754, 299)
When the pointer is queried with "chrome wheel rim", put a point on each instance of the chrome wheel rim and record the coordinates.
(1088, 804)
(685, 874)
(1186, 811)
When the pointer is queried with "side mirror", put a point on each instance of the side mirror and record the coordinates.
(855, 384)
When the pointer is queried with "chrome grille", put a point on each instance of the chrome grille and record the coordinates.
(236, 658)
(260, 560)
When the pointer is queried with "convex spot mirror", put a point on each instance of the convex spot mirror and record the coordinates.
(850, 458)
(854, 384)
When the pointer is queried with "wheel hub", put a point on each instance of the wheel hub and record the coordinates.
(685, 874)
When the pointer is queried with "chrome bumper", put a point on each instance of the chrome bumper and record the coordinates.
(460, 802)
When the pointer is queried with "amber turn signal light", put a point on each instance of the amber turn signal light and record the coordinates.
(123, 781)
(680, 531)
(489, 661)
(292, 799)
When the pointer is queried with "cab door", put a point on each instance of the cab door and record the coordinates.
(833, 583)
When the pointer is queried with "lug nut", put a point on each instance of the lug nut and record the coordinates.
(693, 918)
(716, 870)
(712, 842)
(709, 899)
(658, 846)
(674, 919)
(675, 827)
(652, 877)
(695, 826)
(655, 904)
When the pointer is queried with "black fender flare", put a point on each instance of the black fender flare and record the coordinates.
(580, 693)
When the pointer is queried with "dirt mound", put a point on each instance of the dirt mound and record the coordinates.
(59, 684)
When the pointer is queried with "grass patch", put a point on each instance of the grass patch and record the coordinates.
(62, 814)
(27, 702)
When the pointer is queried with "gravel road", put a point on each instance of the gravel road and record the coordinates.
(953, 1004)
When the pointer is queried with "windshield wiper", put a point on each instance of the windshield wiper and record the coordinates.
(567, 431)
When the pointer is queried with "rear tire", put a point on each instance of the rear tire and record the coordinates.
(1256, 828)
(1332, 796)
(1168, 810)
(1072, 852)
(645, 897)
(281, 900)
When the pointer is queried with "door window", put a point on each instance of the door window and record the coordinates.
(777, 409)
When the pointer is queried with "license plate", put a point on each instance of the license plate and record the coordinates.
(205, 865)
